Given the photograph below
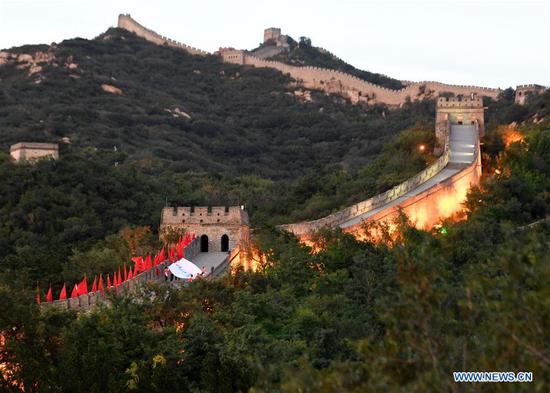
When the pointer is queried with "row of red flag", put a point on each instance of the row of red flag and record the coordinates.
(175, 253)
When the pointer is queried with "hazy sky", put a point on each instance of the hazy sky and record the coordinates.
(490, 43)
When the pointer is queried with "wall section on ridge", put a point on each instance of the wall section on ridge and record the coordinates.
(327, 80)
(126, 22)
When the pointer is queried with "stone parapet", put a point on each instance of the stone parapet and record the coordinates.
(126, 22)
(336, 219)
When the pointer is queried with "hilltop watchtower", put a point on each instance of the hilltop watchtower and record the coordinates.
(525, 91)
(272, 33)
(220, 228)
(457, 110)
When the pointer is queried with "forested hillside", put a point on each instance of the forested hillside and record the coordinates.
(189, 112)
(357, 316)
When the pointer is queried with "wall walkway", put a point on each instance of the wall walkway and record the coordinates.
(433, 194)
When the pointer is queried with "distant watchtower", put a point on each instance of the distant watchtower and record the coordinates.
(272, 33)
(525, 91)
(32, 151)
(457, 110)
(220, 228)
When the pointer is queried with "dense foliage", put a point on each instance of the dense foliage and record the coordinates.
(356, 316)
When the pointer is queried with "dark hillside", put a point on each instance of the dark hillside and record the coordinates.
(193, 112)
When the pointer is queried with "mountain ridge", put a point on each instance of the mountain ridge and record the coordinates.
(236, 118)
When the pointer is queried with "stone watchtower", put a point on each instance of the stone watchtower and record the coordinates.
(220, 228)
(32, 151)
(457, 110)
(272, 33)
(524, 91)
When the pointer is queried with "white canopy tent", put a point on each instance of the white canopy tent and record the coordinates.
(185, 269)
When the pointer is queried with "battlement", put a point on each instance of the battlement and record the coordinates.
(126, 22)
(205, 215)
(530, 86)
(272, 33)
(318, 78)
(456, 102)
(458, 110)
(220, 228)
(524, 91)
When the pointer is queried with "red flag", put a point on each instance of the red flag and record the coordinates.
(74, 293)
(38, 298)
(49, 295)
(114, 280)
(136, 271)
(193, 238)
(109, 281)
(94, 285)
(179, 249)
(161, 256)
(100, 287)
(125, 272)
(119, 278)
(130, 275)
(172, 256)
(63, 294)
(139, 262)
(83, 287)
(148, 264)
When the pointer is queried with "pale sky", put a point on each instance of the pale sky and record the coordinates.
(489, 43)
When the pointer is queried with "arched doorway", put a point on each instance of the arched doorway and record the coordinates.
(225, 243)
(204, 243)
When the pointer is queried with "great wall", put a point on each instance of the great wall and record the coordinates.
(86, 301)
(222, 232)
(435, 193)
(328, 80)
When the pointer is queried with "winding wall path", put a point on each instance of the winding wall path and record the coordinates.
(433, 194)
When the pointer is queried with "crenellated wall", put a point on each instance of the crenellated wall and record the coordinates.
(359, 90)
(211, 222)
(334, 220)
(524, 91)
(126, 22)
(465, 110)
(328, 80)
(435, 193)
(428, 208)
